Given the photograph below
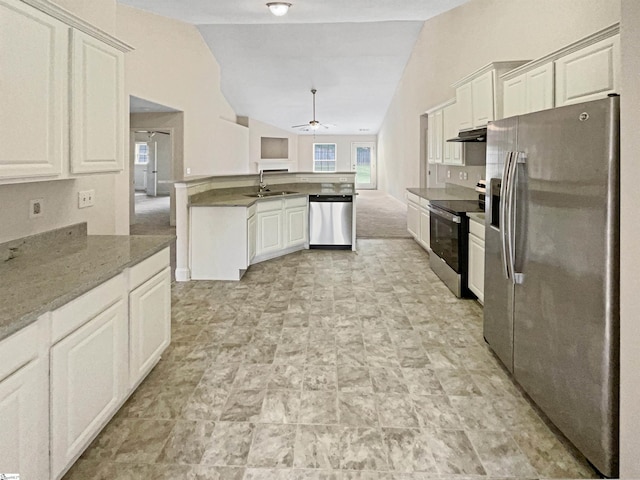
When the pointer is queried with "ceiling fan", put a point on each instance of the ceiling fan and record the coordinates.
(313, 124)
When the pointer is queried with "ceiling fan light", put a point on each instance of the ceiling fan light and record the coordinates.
(279, 8)
(314, 125)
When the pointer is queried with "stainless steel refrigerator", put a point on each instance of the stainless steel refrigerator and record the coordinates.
(551, 311)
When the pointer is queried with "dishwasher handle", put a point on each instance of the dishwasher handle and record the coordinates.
(331, 198)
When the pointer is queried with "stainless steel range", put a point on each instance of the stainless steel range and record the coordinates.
(449, 231)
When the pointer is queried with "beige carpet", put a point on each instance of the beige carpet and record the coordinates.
(379, 215)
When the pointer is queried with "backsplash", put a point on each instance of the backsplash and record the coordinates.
(473, 174)
(15, 248)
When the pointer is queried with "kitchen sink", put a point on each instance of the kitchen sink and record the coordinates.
(269, 194)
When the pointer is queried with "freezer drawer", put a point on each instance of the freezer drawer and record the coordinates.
(330, 221)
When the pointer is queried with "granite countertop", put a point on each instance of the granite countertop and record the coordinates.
(236, 197)
(42, 275)
(450, 192)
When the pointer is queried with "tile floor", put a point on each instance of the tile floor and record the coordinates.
(333, 366)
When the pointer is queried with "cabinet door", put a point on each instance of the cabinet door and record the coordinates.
(540, 88)
(33, 92)
(588, 74)
(24, 401)
(413, 219)
(476, 266)
(270, 235)
(98, 106)
(465, 107)
(149, 324)
(482, 99)
(437, 142)
(252, 230)
(297, 228)
(24, 421)
(88, 378)
(431, 138)
(452, 151)
(425, 229)
(515, 96)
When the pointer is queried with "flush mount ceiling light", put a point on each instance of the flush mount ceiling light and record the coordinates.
(279, 8)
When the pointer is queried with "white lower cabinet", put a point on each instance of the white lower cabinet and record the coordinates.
(413, 215)
(24, 406)
(425, 228)
(88, 379)
(149, 324)
(252, 235)
(282, 227)
(270, 223)
(476, 259)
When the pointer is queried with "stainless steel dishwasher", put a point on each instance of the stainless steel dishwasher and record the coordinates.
(330, 221)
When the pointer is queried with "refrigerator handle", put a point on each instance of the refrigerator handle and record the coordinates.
(517, 158)
(503, 215)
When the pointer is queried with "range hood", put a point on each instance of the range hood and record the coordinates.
(477, 135)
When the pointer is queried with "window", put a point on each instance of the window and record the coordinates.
(142, 153)
(324, 157)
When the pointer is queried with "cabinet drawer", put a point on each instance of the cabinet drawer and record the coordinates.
(424, 202)
(140, 273)
(19, 349)
(77, 312)
(295, 202)
(412, 197)
(268, 205)
(477, 229)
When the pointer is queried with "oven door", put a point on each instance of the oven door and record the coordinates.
(445, 236)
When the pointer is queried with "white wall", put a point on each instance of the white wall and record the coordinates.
(462, 40)
(257, 130)
(629, 244)
(343, 149)
(171, 65)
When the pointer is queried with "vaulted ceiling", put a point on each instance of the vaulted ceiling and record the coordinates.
(353, 52)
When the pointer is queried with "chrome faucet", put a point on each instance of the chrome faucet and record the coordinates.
(262, 185)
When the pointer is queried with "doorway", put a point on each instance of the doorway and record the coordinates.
(363, 162)
(152, 162)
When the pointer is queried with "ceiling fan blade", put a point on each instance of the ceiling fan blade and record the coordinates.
(326, 125)
(303, 125)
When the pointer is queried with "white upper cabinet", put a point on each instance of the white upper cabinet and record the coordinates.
(58, 121)
(33, 92)
(98, 106)
(539, 92)
(529, 91)
(434, 136)
(464, 101)
(479, 95)
(482, 99)
(588, 74)
(515, 96)
(586, 70)
(452, 151)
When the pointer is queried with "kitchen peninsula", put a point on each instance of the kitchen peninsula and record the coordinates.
(223, 225)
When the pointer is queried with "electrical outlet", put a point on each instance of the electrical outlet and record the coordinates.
(448, 173)
(86, 198)
(460, 176)
(465, 175)
(35, 208)
(304, 179)
(188, 171)
(343, 179)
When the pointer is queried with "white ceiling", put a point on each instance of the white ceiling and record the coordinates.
(353, 52)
